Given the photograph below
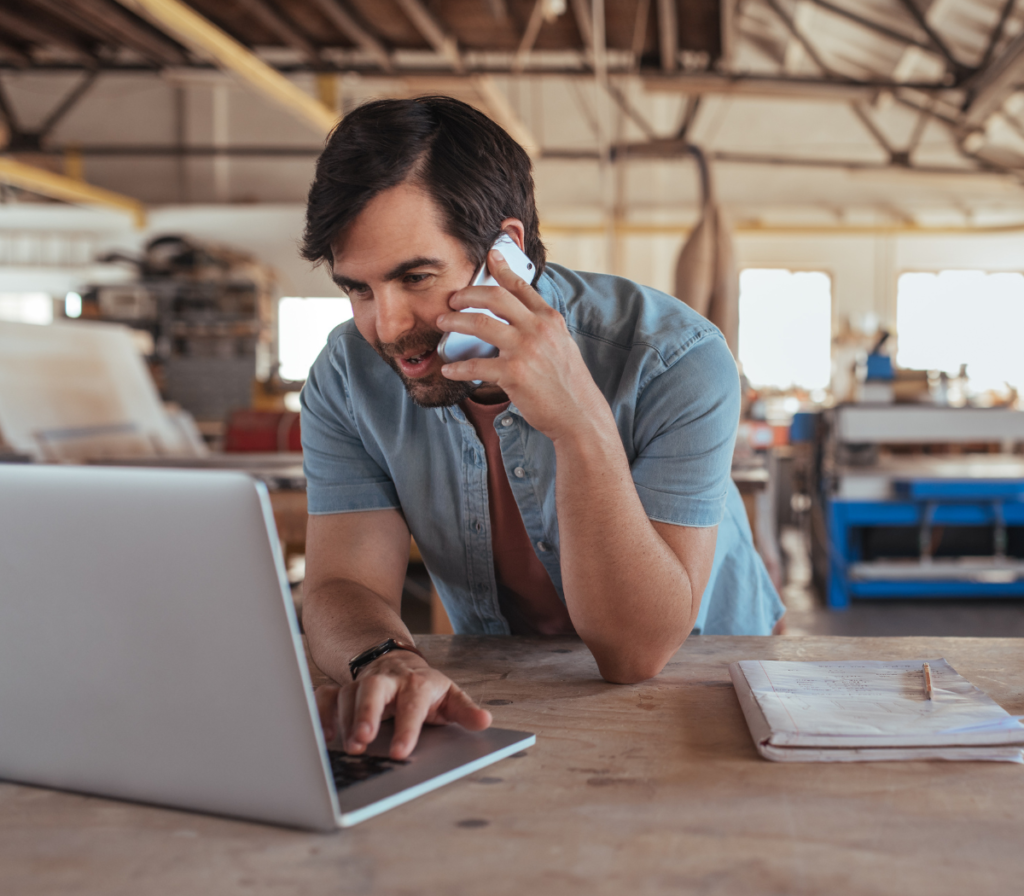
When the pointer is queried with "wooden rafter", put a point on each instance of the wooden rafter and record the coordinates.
(872, 25)
(581, 12)
(530, 33)
(997, 33)
(502, 112)
(106, 16)
(274, 22)
(689, 116)
(498, 9)
(346, 23)
(14, 54)
(799, 36)
(636, 45)
(668, 34)
(433, 32)
(67, 189)
(873, 129)
(205, 38)
(29, 31)
(989, 89)
(936, 40)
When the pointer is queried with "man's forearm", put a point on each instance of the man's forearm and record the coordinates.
(629, 595)
(341, 619)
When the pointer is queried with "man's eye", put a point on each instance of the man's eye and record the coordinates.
(416, 278)
(357, 292)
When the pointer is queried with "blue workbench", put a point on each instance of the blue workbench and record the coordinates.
(924, 503)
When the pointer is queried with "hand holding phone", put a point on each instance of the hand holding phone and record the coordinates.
(463, 347)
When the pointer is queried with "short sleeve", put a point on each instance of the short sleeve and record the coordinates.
(684, 432)
(341, 475)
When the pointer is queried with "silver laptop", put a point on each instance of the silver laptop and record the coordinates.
(149, 651)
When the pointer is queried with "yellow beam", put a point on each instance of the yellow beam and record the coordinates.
(203, 37)
(57, 186)
(502, 112)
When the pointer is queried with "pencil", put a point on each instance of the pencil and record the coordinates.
(927, 671)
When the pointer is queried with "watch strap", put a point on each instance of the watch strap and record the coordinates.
(376, 652)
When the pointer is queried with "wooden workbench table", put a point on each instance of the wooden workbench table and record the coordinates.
(643, 789)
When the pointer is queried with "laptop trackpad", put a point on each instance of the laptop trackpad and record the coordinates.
(443, 753)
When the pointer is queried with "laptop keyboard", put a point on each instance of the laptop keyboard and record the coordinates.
(349, 770)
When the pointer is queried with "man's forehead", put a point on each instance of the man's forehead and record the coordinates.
(391, 233)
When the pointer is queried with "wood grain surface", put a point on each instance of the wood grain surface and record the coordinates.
(640, 789)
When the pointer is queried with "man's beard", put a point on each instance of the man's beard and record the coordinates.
(434, 391)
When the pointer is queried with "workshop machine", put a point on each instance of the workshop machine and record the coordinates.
(920, 501)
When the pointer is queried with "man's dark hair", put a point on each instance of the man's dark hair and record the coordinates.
(475, 172)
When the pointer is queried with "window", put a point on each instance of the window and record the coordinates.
(302, 329)
(26, 307)
(963, 317)
(786, 328)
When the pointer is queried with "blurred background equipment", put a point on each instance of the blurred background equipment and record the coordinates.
(209, 312)
(81, 392)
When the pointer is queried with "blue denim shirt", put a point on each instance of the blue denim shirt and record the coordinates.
(673, 389)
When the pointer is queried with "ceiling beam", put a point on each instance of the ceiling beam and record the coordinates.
(498, 9)
(530, 33)
(433, 32)
(799, 36)
(581, 12)
(14, 54)
(690, 111)
(636, 45)
(482, 91)
(339, 16)
(29, 31)
(989, 89)
(202, 36)
(937, 42)
(68, 103)
(997, 33)
(781, 87)
(630, 111)
(500, 109)
(67, 189)
(679, 149)
(21, 140)
(668, 34)
(872, 25)
(107, 15)
(660, 148)
(98, 31)
(874, 130)
(273, 21)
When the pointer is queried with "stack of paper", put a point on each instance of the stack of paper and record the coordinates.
(861, 711)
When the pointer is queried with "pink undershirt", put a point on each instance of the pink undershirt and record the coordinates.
(528, 599)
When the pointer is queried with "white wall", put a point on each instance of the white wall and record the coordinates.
(30, 232)
(864, 268)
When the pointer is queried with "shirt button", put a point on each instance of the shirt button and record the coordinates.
(478, 526)
(542, 546)
(520, 472)
(506, 421)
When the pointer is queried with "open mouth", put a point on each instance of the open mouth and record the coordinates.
(416, 365)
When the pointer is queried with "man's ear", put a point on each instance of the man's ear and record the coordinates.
(514, 228)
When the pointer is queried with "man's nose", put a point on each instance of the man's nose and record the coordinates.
(395, 315)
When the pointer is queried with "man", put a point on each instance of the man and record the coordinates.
(577, 482)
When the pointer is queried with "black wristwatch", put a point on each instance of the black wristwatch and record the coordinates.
(368, 656)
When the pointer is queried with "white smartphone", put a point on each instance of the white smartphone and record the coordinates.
(461, 346)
